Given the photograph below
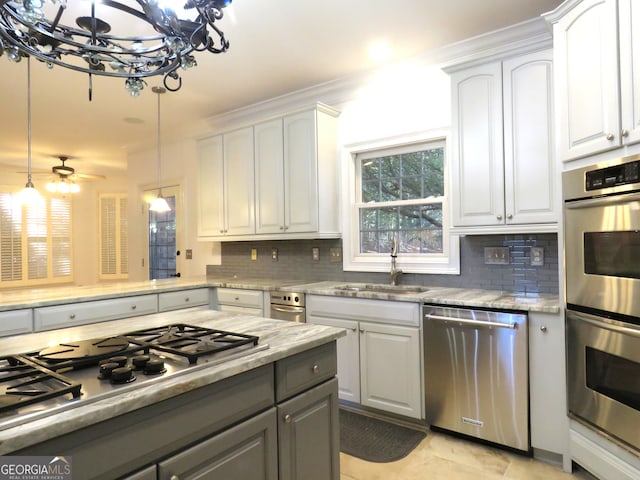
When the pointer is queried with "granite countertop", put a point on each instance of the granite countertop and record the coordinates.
(283, 338)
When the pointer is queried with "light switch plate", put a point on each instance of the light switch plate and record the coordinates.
(537, 256)
(315, 254)
(496, 255)
(188, 254)
(335, 254)
(254, 254)
(274, 254)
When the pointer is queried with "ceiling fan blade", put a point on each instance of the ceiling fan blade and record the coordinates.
(88, 176)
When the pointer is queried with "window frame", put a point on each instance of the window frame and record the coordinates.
(448, 262)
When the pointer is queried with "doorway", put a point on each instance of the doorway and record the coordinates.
(163, 234)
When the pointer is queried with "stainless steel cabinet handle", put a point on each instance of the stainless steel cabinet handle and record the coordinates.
(287, 309)
(499, 217)
(354, 329)
(186, 299)
(610, 136)
(315, 369)
(543, 329)
(287, 418)
(624, 132)
(509, 216)
(237, 298)
(475, 323)
(133, 307)
(281, 227)
(72, 316)
(174, 477)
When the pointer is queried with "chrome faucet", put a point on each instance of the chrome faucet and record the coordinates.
(395, 271)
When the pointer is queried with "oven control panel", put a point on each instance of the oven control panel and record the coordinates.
(614, 176)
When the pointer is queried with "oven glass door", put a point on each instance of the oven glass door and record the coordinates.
(603, 363)
(602, 239)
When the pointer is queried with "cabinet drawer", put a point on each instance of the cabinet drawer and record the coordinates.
(183, 299)
(240, 298)
(304, 370)
(48, 318)
(361, 309)
(16, 322)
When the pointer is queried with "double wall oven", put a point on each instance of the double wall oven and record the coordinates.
(602, 252)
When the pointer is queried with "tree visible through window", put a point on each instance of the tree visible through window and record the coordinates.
(401, 197)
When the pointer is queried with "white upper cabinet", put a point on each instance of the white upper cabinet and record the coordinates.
(225, 184)
(294, 160)
(503, 164)
(597, 81)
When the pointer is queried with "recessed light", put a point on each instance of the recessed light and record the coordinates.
(380, 51)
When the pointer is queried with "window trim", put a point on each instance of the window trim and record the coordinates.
(446, 263)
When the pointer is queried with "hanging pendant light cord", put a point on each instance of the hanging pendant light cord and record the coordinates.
(159, 92)
(29, 182)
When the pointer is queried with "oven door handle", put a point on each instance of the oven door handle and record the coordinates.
(474, 323)
(603, 201)
(607, 326)
(286, 309)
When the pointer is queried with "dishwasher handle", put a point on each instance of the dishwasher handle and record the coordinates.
(474, 323)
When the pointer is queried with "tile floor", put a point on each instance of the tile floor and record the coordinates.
(443, 457)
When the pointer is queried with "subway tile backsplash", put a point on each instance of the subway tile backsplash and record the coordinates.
(295, 262)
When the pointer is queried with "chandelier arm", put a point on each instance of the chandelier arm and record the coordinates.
(56, 20)
(176, 76)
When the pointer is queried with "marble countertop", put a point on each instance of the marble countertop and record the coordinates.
(466, 297)
(283, 338)
(59, 295)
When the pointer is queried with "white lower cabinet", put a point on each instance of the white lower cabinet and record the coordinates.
(70, 315)
(183, 299)
(238, 300)
(547, 383)
(379, 360)
(16, 322)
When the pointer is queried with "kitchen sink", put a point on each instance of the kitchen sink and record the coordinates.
(393, 289)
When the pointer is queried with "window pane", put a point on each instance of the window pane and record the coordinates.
(368, 219)
(433, 168)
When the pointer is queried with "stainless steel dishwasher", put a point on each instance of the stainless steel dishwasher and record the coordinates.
(476, 374)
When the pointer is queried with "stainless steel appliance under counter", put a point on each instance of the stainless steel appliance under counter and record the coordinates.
(476, 377)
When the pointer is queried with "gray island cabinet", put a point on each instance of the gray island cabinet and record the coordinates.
(272, 414)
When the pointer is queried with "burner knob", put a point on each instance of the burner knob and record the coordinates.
(139, 361)
(154, 366)
(106, 369)
(121, 360)
(122, 375)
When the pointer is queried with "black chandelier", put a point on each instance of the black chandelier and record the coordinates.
(74, 34)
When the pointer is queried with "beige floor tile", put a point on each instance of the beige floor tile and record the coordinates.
(444, 457)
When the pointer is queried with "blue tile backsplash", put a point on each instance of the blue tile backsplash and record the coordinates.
(295, 262)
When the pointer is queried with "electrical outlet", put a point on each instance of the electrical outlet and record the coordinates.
(335, 254)
(496, 255)
(315, 254)
(274, 254)
(537, 256)
(254, 254)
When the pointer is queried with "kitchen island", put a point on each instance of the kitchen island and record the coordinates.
(252, 402)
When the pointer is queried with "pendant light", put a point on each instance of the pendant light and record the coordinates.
(29, 195)
(159, 204)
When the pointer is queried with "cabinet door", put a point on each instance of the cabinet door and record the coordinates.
(269, 159)
(247, 451)
(586, 63)
(300, 172)
(210, 187)
(390, 368)
(629, 18)
(348, 348)
(478, 178)
(547, 383)
(531, 192)
(238, 182)
(309, 435)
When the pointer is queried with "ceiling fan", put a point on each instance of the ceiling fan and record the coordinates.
(64, 178)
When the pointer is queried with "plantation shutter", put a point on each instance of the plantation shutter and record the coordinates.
(10, 240)
(114, 260)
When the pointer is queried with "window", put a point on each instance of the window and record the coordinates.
(35, 241)
(114, 236)
(398, 191)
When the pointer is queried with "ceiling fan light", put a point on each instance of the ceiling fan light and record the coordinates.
(63, 187)
(51, 187)
(159, 204)
(74, 188)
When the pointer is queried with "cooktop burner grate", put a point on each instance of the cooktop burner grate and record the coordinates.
(189, 341)
(25, 382)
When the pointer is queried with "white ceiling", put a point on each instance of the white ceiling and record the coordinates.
(277, 46)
